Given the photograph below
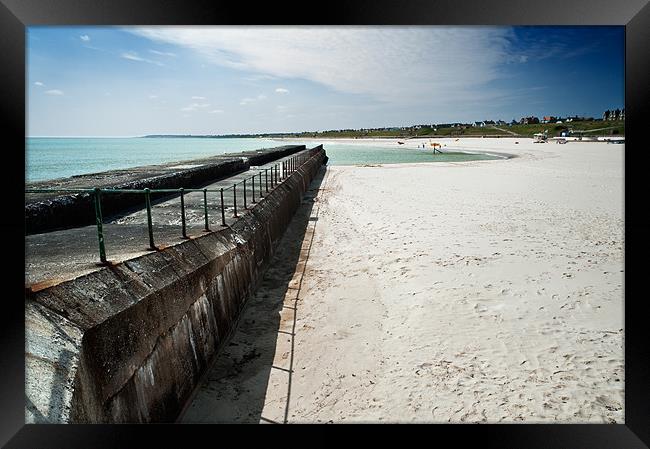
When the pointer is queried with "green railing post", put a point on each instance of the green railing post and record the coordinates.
(184, 230)
(147, 198)
(205, 208)
(234, 197)
(253, 185)
(266, 178)
(261, 194)
(223, 210)
(99, 220)
(245, 194)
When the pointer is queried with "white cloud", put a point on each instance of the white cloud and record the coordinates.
(195, 106)
(38, 83)
(54, 92)
(387, 63)
(133, 56)
(162, 53)
(282, 90)
(84, 37)
(249, 100)
(216, 111)
(153, 97)
(259, 77)
(196, 97)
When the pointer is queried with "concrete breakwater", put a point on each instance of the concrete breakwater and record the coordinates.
(129, 342)
(49, 211)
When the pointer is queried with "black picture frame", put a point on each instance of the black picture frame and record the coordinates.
(15, 15)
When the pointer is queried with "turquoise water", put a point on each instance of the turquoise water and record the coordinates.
(51, 158)
(353, 154)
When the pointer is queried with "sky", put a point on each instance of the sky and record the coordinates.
(133, 81)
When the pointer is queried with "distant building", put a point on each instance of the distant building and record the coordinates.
(529, 120)
(614, 114)
(548, 119)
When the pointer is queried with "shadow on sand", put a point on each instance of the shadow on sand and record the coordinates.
(260, 355)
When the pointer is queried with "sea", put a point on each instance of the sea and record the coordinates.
(49, 158)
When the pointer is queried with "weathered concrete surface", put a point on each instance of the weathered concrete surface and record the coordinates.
(128, 343)
(47, 255)
(259, 357)
(49, 211)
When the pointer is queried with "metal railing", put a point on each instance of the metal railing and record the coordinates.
(273, 176)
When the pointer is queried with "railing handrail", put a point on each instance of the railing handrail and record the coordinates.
(279, 172)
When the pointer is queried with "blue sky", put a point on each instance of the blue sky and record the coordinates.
(131, 81)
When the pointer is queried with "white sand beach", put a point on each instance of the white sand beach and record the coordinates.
(482, 291)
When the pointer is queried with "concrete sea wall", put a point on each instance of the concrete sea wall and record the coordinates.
(47, 211)
(128, 343)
